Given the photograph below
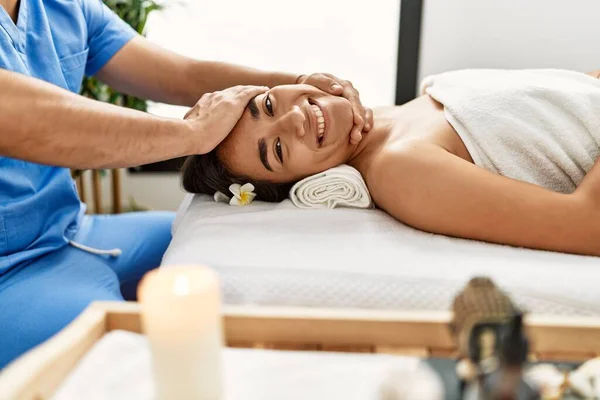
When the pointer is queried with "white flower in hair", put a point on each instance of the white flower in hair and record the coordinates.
(242, 194)
(221, 198)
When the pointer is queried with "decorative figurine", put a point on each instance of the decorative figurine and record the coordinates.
(507, 382)
(492, 345)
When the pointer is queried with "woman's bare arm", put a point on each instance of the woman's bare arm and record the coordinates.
(595, 74)
(590, 186)
(430, 189)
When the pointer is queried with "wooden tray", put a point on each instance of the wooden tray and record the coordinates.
(38, 373)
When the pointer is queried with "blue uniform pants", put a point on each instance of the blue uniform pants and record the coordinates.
(39, 297)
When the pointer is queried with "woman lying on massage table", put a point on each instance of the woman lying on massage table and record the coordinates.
(500, 156)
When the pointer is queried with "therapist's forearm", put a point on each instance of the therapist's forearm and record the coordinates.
(143, 69)
(42, 123)
(226, 75)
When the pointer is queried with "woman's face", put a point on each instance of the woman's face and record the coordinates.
(289, 133)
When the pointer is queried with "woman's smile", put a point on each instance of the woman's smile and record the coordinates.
(318, 122)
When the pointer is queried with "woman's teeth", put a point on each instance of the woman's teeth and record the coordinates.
(320, 121)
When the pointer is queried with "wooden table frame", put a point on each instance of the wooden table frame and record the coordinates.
(38, 373)
(96, 188)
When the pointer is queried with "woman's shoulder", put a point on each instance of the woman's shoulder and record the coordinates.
(402, 174)
(398, 163)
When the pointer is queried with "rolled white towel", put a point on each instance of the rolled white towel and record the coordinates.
(342, 186)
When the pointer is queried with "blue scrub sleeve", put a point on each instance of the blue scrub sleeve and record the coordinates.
(107, 34)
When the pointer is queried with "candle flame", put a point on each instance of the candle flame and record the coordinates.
(181, 285)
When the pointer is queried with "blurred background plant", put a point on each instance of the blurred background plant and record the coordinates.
(135, 13)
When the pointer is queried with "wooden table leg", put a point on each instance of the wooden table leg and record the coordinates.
(116, 191)
(80, 182)
(97, 192)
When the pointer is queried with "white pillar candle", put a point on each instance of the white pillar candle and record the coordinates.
(181, 316)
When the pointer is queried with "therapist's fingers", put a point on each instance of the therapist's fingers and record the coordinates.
(363, 116)
(355, 136)
(244, 94)
(368, 119)
(325, 82)
(359, 123)
(215, 115)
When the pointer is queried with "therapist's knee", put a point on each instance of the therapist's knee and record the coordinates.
(144, 250)
(155, 240)
(157, 234)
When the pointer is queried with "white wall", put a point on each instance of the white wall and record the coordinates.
(460, 34)
(354, 40)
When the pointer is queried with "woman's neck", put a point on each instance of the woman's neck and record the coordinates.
(375, 139)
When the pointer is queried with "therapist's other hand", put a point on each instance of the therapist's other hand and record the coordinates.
(363, 116)
(215, 115)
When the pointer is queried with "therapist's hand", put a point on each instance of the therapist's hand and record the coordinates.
(215, 115)
(363, 116)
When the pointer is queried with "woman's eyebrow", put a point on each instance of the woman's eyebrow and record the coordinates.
(262, 153)
(254, 111)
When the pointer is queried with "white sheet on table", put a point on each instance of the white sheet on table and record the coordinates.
(277, 254)
(119, 367)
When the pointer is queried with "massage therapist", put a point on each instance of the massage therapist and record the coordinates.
(54, 260)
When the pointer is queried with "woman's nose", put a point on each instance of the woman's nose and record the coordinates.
(296, 121)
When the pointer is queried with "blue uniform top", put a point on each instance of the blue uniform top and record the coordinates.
(58, 41)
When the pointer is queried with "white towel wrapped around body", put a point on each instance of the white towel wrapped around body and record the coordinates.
(537, 126)
(342, 186)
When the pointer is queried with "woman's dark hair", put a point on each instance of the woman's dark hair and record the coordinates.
(206, 174)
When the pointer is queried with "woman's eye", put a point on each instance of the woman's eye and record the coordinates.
(269, 105)
(278, 150)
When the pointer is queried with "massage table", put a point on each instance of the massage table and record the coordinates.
(278, 255)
